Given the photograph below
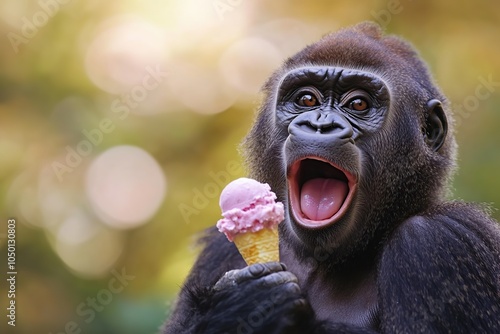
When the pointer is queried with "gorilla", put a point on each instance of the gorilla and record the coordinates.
(357, 142)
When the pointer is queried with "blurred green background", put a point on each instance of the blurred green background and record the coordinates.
(120, 122)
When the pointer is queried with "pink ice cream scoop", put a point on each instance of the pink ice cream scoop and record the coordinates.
(251, 216)
(248, 206)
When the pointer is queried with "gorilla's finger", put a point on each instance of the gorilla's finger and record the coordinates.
(226, 281)
(257, 270)
(279, 278)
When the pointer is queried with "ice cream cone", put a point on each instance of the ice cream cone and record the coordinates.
(258, 247)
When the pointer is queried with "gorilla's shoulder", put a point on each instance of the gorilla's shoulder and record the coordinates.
(454, 224)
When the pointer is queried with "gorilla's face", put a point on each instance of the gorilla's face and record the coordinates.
(327, 112)
(351, 137)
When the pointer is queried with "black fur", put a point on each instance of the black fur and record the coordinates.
(402, 259)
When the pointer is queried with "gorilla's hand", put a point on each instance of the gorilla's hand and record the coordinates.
(261, 298)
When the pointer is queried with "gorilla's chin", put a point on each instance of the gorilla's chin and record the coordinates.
(320, 193)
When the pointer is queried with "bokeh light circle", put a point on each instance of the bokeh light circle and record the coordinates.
(117, 58)
(201, 89)
(125, 186)
(87, 248)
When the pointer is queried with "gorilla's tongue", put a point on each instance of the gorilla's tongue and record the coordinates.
(321, 198)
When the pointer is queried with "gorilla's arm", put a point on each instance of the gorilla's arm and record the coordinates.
(441, 273)
(262, 298)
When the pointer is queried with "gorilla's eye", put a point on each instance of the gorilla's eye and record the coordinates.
(356, 100)
(307, 99)
(358, 104)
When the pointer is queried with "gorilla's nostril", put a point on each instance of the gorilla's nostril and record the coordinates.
(327, 127)
(306, 126)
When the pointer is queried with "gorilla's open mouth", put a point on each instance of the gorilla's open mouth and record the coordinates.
(320, 192)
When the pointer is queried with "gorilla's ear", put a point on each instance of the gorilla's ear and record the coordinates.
(436, 125)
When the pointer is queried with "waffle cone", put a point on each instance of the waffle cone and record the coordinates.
(258, 247)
